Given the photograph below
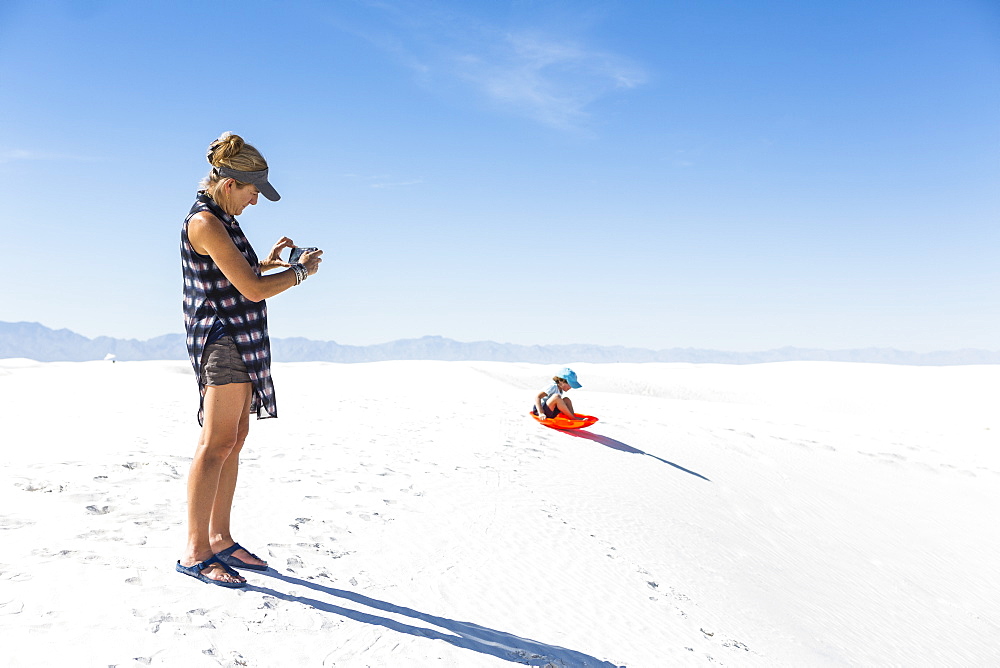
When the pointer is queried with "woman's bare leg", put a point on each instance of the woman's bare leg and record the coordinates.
(219, 531)
(226, 408)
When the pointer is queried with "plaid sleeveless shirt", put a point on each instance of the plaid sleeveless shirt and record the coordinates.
(208, 295)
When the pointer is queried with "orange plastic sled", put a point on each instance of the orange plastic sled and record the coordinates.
(563, 422)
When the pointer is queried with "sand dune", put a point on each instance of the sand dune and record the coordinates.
(778, 514)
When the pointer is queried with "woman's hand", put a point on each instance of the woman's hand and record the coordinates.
(311, 261)
(273, 260)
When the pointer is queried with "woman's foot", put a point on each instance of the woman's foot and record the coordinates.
(215, 571)
(239, 557)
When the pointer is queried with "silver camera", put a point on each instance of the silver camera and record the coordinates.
(296, 253)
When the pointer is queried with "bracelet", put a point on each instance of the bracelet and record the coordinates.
(301, 273)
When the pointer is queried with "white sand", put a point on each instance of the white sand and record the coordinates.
(787, 514)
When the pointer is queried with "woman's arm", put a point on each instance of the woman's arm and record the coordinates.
(209, 237)
(273, 260)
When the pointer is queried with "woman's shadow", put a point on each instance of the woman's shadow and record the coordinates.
(466, 634)
(624, 447)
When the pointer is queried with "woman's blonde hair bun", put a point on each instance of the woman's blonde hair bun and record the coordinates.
(224, 149)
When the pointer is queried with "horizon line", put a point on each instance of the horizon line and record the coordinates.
(786, 347)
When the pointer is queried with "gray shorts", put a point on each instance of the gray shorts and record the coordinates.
(221, 364)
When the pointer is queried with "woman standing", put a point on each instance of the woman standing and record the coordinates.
(225, 317)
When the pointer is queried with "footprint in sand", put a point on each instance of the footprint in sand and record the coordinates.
(98, 534)
(40, 486)
(299, 521)
(14, 576)
(13, 523)
(735, 644)
(157, 620)
(12, 607)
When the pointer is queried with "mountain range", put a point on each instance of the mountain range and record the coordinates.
(35, 341)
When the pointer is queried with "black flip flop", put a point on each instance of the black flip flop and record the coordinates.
(196, 572)
(227, 558)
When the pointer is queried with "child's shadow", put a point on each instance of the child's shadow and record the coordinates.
(466, 634)
(624, 447)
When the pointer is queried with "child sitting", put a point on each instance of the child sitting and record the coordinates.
(551, 402)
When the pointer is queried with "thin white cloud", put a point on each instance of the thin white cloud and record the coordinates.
(548, 78)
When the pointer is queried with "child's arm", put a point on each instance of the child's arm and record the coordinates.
(538, 404)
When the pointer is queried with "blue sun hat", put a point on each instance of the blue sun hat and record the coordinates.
(569, 376)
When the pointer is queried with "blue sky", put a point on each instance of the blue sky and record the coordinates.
(735, 175)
